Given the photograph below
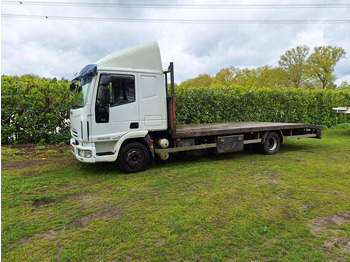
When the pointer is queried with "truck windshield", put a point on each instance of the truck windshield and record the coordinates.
(85, 79)
(83, 92)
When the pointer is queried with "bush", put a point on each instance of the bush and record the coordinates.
(33, 109)
(231, 104)
(36, 110)
(341, 126)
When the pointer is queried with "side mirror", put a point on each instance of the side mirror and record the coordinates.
(72, 87)
(104, 95)
(105, 80)
(104, 92)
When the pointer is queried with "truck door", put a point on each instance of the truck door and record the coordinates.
(122, 114)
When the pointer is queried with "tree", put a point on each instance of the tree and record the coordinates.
(202, 80)
(344, 85)
(225, 76)
(294, 63)
(296, 69)
(263, 76)
(322, 63)
(245, 77)
(267, 76)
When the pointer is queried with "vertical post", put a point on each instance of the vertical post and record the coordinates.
(170, 99)
(166, 83)
(172, 84)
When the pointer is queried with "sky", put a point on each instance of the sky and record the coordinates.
(80, 33)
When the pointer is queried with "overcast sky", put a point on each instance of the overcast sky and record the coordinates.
(53, 47)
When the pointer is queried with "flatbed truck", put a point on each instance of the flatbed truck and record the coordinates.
(125, 112)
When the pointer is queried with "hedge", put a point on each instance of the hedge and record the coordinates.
(36, 110)
(231, 104)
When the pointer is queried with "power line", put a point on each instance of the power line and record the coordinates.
(175, 21)
(180, 6)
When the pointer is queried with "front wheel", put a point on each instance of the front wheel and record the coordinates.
(272, 144)
(133, 157)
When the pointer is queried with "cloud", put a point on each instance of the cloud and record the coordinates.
(59, 48)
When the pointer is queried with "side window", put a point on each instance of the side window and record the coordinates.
(122, 89)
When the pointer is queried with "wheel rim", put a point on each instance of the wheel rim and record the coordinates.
(134, 158)
(272, 143)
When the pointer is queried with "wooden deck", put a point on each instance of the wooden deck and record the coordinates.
(195, 130)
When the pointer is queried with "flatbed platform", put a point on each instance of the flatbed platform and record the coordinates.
(197, 130)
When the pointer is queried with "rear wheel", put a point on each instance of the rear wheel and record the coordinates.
(133, 157)
(272, 144)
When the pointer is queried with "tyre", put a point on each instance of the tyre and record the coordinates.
(133, 157)
(272, 144)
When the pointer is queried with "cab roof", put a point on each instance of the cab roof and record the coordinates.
(145, 56)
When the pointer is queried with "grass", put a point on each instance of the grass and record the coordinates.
(293, 206)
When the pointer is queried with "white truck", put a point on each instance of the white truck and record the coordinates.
(125, 112)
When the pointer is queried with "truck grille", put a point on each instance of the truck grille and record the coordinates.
(74, 134)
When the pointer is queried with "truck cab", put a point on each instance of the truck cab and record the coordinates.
(121, 97)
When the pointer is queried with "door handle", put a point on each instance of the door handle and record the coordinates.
(134, 125)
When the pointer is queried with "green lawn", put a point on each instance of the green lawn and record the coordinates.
(293, 206)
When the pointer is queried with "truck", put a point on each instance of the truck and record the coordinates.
(125, 112)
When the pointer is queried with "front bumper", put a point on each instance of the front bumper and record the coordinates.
(86, 154)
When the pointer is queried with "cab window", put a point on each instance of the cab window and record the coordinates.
(122, 89)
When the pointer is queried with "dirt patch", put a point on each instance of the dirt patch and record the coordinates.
(159, 241)
(29, 163)
(31, 155)
(43, 201)
(88, 201)
(64, 187)
(342, 244)
(270, 173)
(22, 164)
(305, 207)
(51, 235)
(31, 173)
(81, 222)
(34, 148)
(266, 177)
(320, 226)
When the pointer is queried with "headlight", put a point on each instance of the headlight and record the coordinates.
(84, 153)
(88, 153)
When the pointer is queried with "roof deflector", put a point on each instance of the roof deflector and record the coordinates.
(145, 56)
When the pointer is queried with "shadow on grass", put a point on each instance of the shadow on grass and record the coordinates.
(182, 160)
(293, 147)
(176, 160)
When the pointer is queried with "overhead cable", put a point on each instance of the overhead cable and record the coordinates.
(178, 6)
(176, 21)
